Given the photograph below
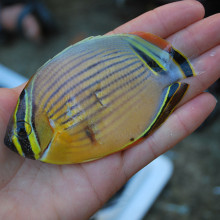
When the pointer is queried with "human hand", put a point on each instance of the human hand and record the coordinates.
(34, 190)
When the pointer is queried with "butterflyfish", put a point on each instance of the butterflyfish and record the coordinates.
(97, 97)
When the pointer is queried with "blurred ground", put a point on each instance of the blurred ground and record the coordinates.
(194, 189)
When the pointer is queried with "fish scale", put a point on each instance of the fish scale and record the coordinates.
(103, 92)
(93, 73)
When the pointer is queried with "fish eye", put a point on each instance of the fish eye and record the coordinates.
(23, 129)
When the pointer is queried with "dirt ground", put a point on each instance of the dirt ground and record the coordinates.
(194, 189)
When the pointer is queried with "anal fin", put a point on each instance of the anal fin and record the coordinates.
(174, 93)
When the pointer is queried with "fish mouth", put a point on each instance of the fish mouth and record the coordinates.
(26, 150)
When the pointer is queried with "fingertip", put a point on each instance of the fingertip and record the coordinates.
(184, 12)
(209, 101)
(198, 5)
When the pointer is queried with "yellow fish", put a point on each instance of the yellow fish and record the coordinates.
(97, 97)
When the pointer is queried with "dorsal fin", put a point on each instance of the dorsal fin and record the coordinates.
(161, 43)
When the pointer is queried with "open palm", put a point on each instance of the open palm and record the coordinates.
(34, 190)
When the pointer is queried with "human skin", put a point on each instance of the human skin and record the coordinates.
(34, 190)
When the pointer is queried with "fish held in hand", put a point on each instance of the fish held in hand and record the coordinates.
(97, 97)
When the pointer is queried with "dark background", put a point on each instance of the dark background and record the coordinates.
(194, 189)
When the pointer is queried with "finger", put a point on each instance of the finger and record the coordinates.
(181, 123)
(198, 37)
(18, 89)
(165, 20)
(8, 98)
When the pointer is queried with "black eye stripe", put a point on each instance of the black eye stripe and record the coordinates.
(23, 139)
(26, 147)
